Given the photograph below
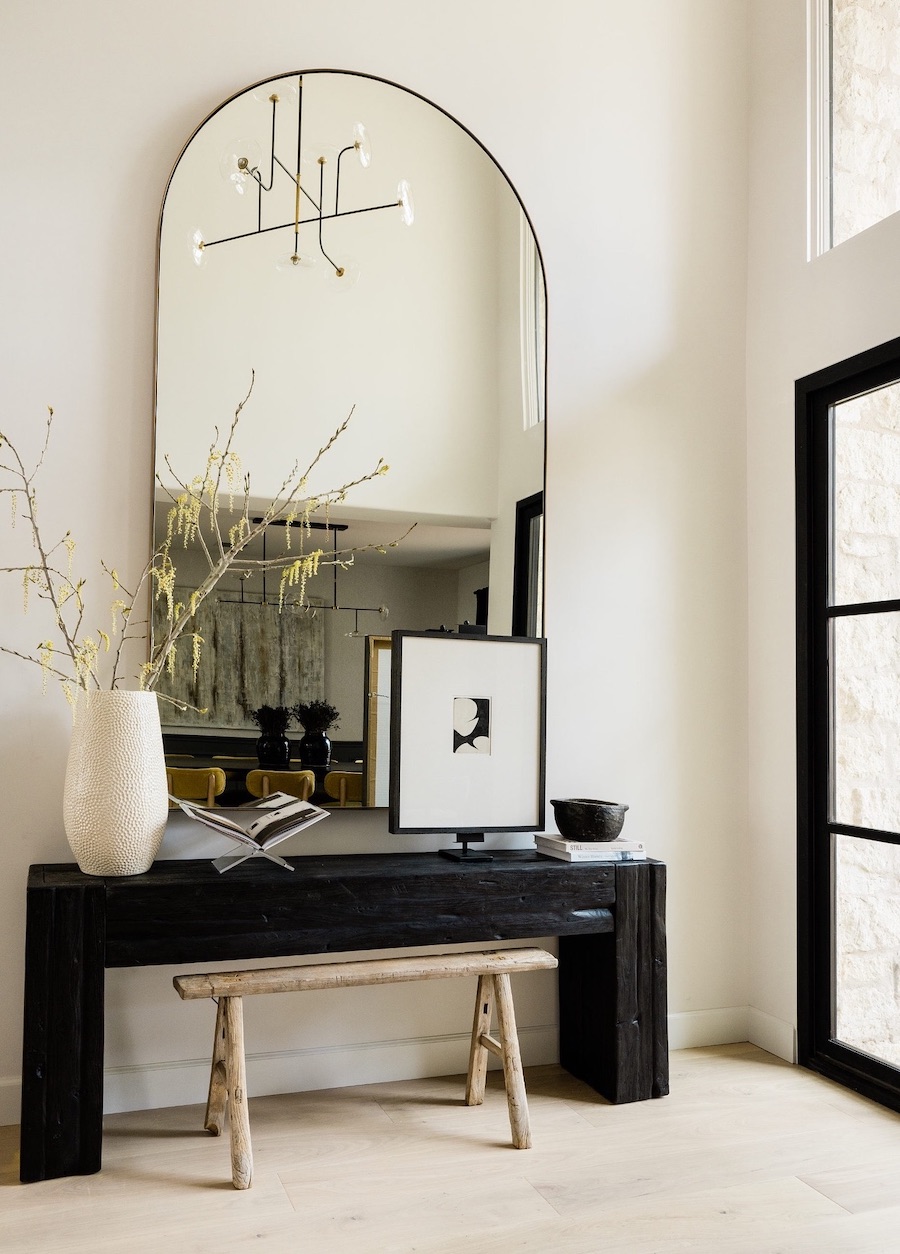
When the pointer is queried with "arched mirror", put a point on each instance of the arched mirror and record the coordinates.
(399, 278)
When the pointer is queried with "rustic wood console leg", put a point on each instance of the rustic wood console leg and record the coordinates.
(612, 993)
(478, 1054)
(214, 1120)
(236, 1076)
(62, 1055)
(512, 1064)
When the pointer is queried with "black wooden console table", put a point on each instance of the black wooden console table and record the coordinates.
(612, 967)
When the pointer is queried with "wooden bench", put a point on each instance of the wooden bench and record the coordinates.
(228, 1077)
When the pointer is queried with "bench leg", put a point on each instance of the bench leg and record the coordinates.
(214, 1121)
(478, 1054)
(236, 1075)
(512, 1064)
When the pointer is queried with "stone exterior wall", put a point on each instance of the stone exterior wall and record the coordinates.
(866, 567)
(867, 925)
(865, 114)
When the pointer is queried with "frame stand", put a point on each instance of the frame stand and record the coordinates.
(466, 854)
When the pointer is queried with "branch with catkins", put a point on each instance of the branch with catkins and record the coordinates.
(197, 515)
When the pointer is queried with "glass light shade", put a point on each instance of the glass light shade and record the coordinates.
(198, 247)
(347, 275)
(315, 149)
(287, 92)
(363, 145)
(405, 201)
(292, 261)
(239, 159)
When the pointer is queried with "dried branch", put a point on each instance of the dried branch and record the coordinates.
(194, 516)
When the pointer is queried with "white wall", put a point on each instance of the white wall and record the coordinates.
(470, 579)
(802, 315)
(624, 129)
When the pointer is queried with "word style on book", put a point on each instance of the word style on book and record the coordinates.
(619, 850)
(257, 826)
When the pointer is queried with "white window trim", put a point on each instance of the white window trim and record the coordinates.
(818, 27)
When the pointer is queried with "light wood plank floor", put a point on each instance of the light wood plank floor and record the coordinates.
(746, 1156)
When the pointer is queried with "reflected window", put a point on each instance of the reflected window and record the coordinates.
(528, 577)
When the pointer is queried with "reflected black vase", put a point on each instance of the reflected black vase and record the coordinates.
(315, 749)
(273, 750)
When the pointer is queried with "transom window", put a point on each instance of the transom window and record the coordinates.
(855, 47)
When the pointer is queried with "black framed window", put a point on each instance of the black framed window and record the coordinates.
(848, 721)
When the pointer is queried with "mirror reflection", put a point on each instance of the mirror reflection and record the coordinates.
(432, 334)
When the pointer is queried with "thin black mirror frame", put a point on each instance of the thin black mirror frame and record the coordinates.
(201, 739)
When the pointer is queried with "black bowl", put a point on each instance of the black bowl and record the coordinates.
(580, 818)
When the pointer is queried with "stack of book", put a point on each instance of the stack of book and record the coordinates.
(619, 850)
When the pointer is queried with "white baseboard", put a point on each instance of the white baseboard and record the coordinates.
(323, 1067)
(180, 1083)
(693, 1029)
(729, 1025)
(773, 1035)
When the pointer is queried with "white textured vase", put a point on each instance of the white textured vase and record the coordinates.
(115, 802)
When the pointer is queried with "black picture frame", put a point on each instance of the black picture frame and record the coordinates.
(450, 792)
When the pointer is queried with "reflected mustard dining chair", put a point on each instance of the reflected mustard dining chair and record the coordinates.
(263, 783)
(345, 787)
(195, 784)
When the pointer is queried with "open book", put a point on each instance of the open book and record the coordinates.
(258, 825)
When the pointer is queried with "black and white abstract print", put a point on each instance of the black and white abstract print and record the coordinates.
(471, 724)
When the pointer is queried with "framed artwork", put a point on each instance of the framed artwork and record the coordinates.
(467, 733)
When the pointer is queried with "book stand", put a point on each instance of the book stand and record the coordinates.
(240, 853)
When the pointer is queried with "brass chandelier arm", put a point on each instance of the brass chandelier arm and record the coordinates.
(296, 179)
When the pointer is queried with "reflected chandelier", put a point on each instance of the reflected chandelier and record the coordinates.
(241, 166)
(281, 602)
